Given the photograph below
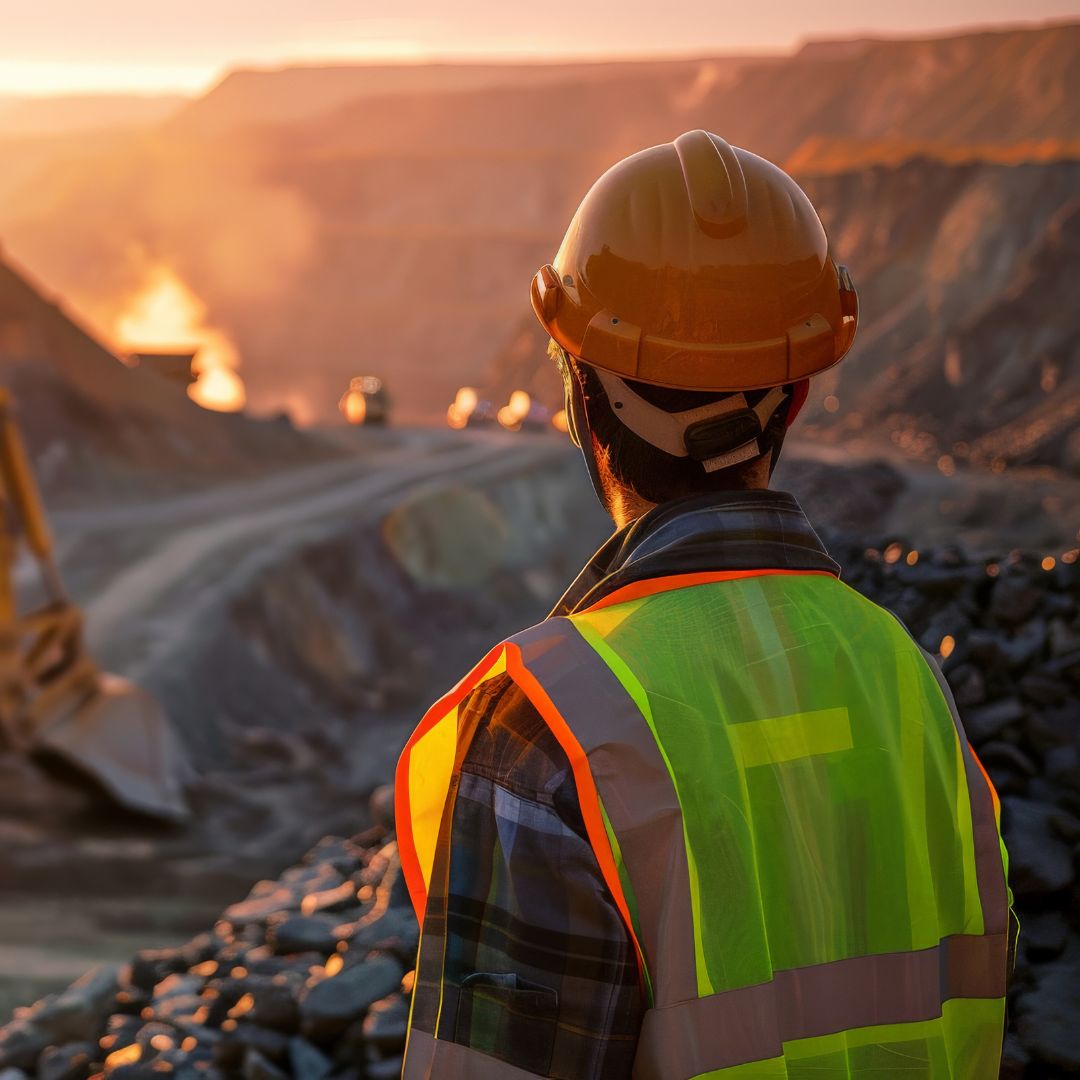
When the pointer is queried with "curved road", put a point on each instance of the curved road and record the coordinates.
(172, 552)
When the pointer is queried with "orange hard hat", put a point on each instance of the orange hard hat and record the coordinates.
(701, 266)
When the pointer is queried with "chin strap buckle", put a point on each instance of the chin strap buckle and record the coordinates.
(719, 434)
(734, 436)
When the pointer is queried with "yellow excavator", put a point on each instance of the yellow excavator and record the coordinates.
(53, 698)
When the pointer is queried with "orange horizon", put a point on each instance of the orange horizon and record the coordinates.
(60, 75)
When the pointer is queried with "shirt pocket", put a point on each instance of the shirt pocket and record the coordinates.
(508, 1017)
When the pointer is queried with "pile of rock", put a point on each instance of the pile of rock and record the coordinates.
(309, 976)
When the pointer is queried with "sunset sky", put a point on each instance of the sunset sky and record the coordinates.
(64, 46)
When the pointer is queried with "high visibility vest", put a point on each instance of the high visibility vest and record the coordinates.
(804, 849)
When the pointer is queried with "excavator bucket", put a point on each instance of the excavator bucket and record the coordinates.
(55, 697)
(120, 737)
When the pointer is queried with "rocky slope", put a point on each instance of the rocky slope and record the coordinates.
(254, 96)
(93, 424)
(944, 88)
(969, 344)
(397, 215)
(309, 976)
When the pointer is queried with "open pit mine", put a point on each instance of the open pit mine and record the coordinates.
(257, 516)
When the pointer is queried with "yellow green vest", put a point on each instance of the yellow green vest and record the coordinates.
(805, 850)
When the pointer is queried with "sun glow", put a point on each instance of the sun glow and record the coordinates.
(33, 77)
(166, 314)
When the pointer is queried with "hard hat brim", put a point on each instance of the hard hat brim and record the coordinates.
(611, 343)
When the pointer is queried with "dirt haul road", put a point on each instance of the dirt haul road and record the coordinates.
(156, 563)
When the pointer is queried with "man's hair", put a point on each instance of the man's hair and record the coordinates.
(653, 474)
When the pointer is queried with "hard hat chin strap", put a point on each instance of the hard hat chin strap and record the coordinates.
(720, 434)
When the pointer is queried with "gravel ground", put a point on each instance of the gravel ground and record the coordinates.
(309, 976)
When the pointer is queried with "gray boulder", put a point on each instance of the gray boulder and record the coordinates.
(1039, 863)
(328, 1006)
(1048, 1017)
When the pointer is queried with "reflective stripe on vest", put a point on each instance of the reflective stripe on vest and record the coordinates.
(635, 789)
(753, 1023)
(935, 1005)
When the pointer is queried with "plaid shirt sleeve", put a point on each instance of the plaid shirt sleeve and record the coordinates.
(539, 970)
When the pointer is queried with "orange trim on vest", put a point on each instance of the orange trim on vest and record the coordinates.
(651, 586)
(410, 862)
(989, 784)
(588, 797)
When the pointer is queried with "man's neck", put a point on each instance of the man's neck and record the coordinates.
(625, 505)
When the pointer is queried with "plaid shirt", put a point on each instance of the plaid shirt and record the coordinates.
(538, 969)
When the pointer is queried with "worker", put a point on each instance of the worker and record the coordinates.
(716, 816)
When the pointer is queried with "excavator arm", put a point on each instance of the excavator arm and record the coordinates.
(52, 696)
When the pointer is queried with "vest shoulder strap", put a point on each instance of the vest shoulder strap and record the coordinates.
(545, 660)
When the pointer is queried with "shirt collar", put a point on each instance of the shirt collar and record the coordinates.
(729, 530)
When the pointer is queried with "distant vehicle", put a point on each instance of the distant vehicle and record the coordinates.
(174, 365)
(520, 413)
(482, 414)
(366, 401)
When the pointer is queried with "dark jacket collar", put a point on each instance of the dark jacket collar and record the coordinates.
(731, 530)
